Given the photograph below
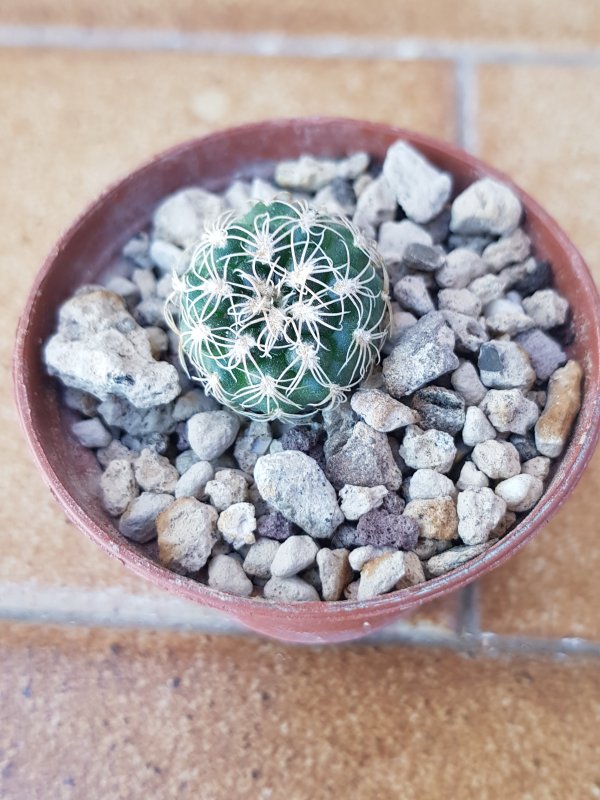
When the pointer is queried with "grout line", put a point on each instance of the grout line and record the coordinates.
(290, 45)
(466, 104)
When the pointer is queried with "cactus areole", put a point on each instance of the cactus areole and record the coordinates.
(282, 311)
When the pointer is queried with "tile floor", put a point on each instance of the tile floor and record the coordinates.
(190, 715)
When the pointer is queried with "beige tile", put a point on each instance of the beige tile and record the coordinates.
(132, 715)
(71, 123)
(545, 22)
(541, 125)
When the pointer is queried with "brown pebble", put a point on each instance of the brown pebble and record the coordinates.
(564, 399)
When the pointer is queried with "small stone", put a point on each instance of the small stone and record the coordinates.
(136, 249)
(395, 237)
(266, 192)
(115, 450)
(125, 289)
(430, 449)
(530, 276)
(545, 353)
(521, 492)
(359, 557)
(436, 517)
(210, 433)
(381, 528)
(389, 571)
(294, 484)
(423, 353)
(186, 534)
(237, 196)
(525, 445)
(461, 268)
(167, 256)
(564, 399)
(462, 301)
(465, 381)
(497, 459)
(274, 526)
(547, 308)
(471, 478)
(158, 340)
(439, 228)
(469, 333)
(427, 484)
(82, 402)
(138, 523)
(358, 500)
(439, 408)
(504, 316)
(150, 312)
(486, 206)
(118, 487)
(476, 244)
(393, 503)
(479, 512)
(225, 574)
(380, 411)
(488, 287)
(338, 424)
(193, 481)
(509, 410)
(505, 524)
(412, 294)
(375, 204)
(252, 443)
(365, 460)
(345, 536)
(335, 572)
(260, 557)
(185, 460)
(289, 590)
(453, 558)
(237, 524)
(477, 427)
(91, 433)
(507, 250)
(426, 548)
(423, 257)
(505, 365)
(139, 422)
(226, 488)
(336, 198)
(145, 281)
(539, 467)
(193, 402)
(306, 439)
(309, 174)
(182, 217)
(159, 442)
(421, 189)
(155, 473)
(399, 320)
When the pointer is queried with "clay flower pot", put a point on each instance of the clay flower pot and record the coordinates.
(88, 247)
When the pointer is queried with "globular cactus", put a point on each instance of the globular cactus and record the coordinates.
(281, 312)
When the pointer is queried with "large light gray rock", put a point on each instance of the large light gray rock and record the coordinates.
(421, 189)
(365, 460)
(181, 218)
(486, 207)
(186, 534)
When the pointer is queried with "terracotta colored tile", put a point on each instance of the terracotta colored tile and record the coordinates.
(541, 126)
(130, 714)
(73, 122)
(564, 25)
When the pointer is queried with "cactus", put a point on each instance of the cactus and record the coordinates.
(281, 312)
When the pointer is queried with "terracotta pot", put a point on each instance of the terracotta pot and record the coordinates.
(89, 246)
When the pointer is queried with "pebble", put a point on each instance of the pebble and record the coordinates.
(289, 590)
(226, 488)
(423, 257)
(265, 191)
(210, 433)
(186, 534)
(395, 237)
(488, 287)
(225, 574)
(115, 450)
(100, 349)
(91, 433)
(345, 536)
(259, 557)
(124, 288)
(252, 443)
(465, 380)
(545, 353)
(539, 467)
(421, 189)
(382, 528)
(167, 257)
(477, 427)
(530, 276)
(510, 411)
(471, 478)
(486, 207)
(237, 524)
(158, 340)
(423, 353)
(375, 204)
(497, 459)
(389, 571)
(439, 408)
(427, 484)
(181, 218)
(479, 513)
(334, 571)
(505, 365)
(359, 557)
(453, 558)
(507, 250)
(155, 473)
(564, 399)
(469, 332)
(192, 482)
(136, 249)
(82, 402)
(145, 281)
(338, 197)
(365, 460)
(309, 174)
(380, 411)
(462, 301)
(295, 485)
(139, 422)
(461, 268)
(436, 517)
(358, 500)
(185, 460)
(393, 503)
(138, 523)
(505, 316)
(274, 525)
(430, 449)
(525, 445)
(412, 294)
(547, 308)
(118, 486)
(399, 320)
(521, 492)
(193, 402)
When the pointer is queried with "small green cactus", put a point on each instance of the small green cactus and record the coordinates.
(281, 312)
